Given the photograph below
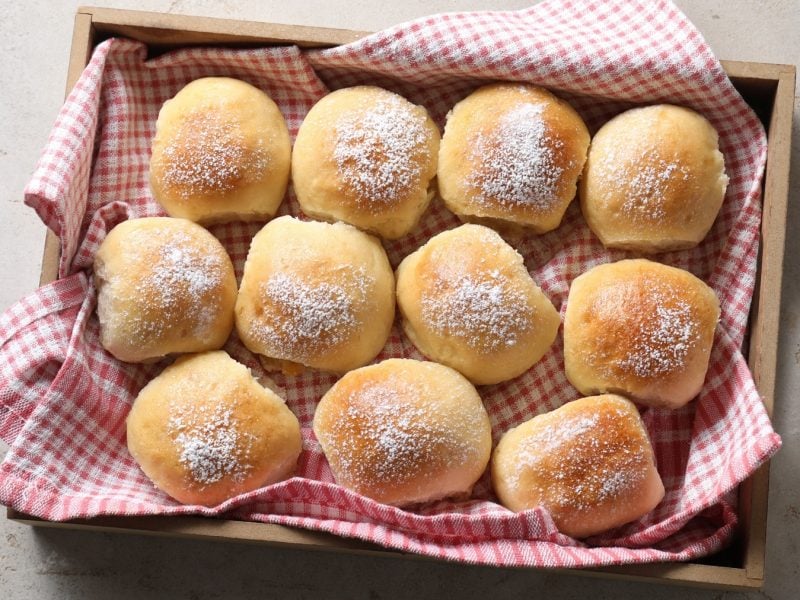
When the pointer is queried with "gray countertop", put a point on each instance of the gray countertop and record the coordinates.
(41, 563)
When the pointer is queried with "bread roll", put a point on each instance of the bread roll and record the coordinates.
(589, 463)
(404, 431)
(366, 156)
(654, 180)
(205, 431)
(163, 286)
(642, 329)
(511, 156)
(221, 153)
(315, 295)
(468, 302)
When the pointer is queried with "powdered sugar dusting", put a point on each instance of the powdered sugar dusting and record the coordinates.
(381, 150)
(302, 319)
(517, 164)
(182, 276)
(387, 435)
(182, 264)
(646, 182)
(583, 461)
(658, 337)
(664, 340)
(209, 154)
(550, 439)
(487, 313)
(209, 443)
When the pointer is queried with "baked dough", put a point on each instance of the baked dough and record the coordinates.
(654, 180)
(468, 302)
(163, 286)
(316, 295)
(366, 156)
(404, 431)
(589, 463)
(205, 430)
(511, 156)
(221, 153)
(641, 329)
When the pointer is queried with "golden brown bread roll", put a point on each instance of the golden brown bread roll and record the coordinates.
(315, 294)
(642, 329)
(205, 431)
(511, 156)
(589, 463)
(221, 153)
(163, 285)
(468, 302)
(404, 431)
(654, 180)
(366, 156)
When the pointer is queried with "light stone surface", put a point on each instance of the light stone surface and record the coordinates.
(43, 564)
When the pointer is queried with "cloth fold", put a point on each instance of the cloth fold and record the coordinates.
(64, 400)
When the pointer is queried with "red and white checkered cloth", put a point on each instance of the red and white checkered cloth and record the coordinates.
(63, 399)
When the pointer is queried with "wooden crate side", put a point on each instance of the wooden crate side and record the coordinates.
(768, 72)
(765, 317)
(683, 574)
(81, 49)
(50, 257)
(205, 528)
(174, 30)
(80, 53)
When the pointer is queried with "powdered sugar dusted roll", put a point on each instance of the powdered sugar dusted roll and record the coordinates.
(315, 294)
(654, 180)
(205, 430)
(404, 431)
(589, 463)
(511, 156)
(642, 329)
(366, 156)
(221, 153)
(163, 286)
(468, 301)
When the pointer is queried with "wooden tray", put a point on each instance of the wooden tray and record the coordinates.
(768, 88)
